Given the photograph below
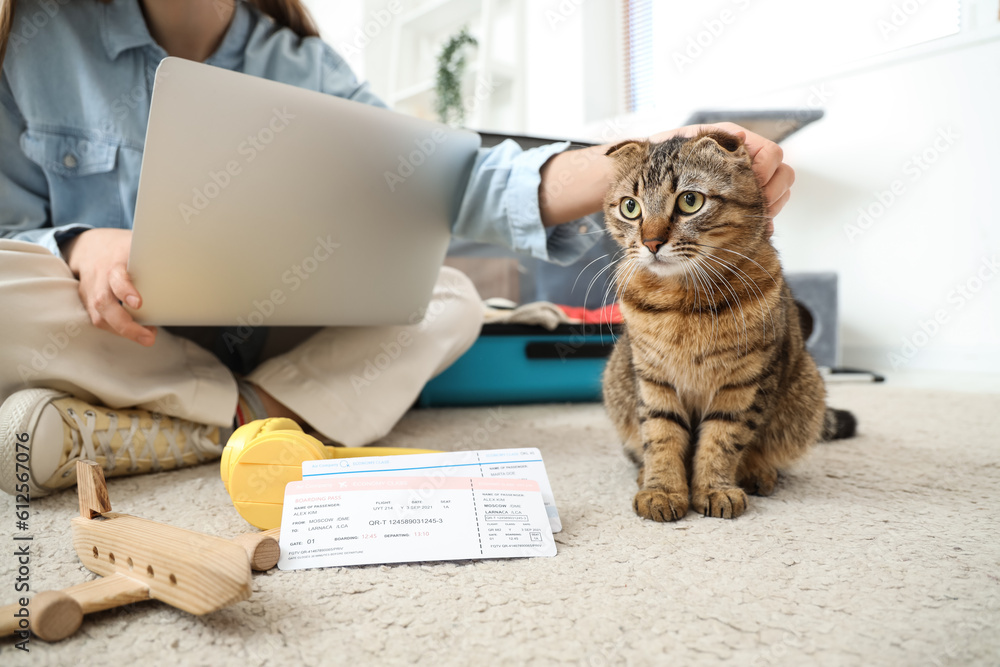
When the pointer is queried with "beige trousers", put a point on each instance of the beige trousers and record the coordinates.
(352, 384)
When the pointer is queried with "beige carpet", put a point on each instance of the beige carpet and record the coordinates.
(882, 550)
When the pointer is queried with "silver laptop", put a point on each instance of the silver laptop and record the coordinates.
(265, 204)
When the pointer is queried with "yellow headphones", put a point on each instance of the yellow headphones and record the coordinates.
(263, 456)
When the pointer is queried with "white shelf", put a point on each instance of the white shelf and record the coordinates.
(440, 15)
(416, 90)
(420, 33)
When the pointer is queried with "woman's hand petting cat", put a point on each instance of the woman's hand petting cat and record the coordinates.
(574, 182)
(99, 258)
(774, 176)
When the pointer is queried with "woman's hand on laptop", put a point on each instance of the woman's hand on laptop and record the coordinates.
(99, 258)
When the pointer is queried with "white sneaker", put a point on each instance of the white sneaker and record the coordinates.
(45, 432)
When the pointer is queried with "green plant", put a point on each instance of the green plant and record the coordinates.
(450, 68)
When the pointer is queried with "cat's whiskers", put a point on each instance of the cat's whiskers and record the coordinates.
(701, 280)
(708, 295)
(751, 286)
(628, 279)
(746, 334)
(611, 265)
(606, 317)
(689, 279)
(619, 271)
(725, 284)
(635, 266)
(715, 325)
(618, 280)
(751, 289)
(571, 289)
(705, 245)
(687, 263)
(754, 290)
(780, 296)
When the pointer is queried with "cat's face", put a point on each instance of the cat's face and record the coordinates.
(675, 202)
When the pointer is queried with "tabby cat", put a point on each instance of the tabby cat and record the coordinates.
(709, 385)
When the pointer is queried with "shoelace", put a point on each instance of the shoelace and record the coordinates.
(82, 443)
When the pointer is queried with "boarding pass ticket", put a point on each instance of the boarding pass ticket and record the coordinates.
(524, 463)
(365, 519)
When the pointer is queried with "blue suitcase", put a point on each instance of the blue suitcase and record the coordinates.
(512, 363)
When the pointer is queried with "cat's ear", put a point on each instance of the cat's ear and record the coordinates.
(732, 144)
(628, 148)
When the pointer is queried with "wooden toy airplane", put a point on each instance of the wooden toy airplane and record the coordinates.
(139, 560)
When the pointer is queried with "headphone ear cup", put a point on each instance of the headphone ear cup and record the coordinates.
(245, 434)
(235, 444)
(261, 458)
(273, 424)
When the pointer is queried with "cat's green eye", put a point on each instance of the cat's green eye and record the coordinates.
(690, 202)
(630, 208)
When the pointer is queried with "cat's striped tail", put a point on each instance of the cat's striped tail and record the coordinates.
(838, 424)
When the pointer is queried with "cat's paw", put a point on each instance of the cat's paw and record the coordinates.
(760, 482)
(725, 503)
(658, 505)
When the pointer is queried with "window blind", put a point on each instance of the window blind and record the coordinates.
(768, 44)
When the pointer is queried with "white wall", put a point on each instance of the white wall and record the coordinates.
(922, 124)
(339, 23)
(554, 75)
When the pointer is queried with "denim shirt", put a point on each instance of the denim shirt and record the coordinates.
(74, 101)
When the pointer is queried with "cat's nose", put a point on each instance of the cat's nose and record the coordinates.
(653, 244)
